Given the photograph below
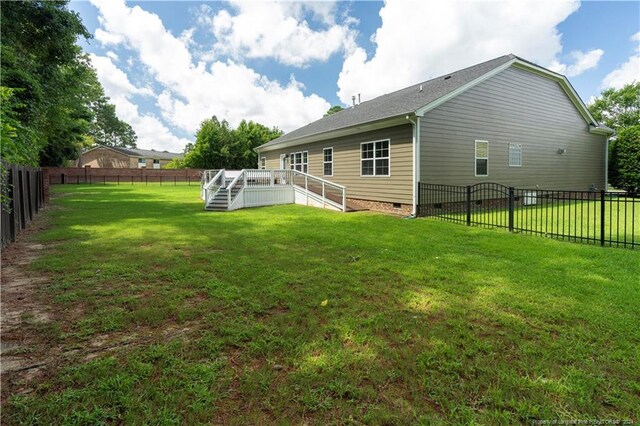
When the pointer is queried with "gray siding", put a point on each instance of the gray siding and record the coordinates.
(396, 188)
(514, 106)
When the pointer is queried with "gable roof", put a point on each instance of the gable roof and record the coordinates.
(418, 99)
(143, 153)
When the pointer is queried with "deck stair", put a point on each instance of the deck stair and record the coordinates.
(224, 190)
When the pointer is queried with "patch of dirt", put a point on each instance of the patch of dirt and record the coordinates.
(31, 346)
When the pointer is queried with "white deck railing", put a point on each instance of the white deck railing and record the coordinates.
(260, 187)
(212, 184)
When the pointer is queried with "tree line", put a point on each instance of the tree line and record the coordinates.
(219, 146)
(52, 104)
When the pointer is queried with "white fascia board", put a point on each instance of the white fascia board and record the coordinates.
(562, 80)
(345, 131)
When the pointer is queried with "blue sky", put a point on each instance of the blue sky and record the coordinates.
(169, 65)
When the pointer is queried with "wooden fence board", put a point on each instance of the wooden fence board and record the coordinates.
(23, 188)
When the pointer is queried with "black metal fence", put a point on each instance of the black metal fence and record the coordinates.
(22, 198)
(597, 217)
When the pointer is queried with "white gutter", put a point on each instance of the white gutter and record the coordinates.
(416, 130)
(606, 164)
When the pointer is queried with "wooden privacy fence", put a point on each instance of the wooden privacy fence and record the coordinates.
(122, 176)
(22, 198)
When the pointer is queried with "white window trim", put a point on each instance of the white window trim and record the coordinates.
(519, 145)
(476, 158)
(328, 162)
(263, 163)
(374, 175)
(292, 159)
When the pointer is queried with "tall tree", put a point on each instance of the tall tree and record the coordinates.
(219, 146)
(107, 129)
(212, 148)
(624, 160)
(48, 84)
(250, 135)
(618, 109)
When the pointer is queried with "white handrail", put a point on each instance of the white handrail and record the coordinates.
(318, 178)
(232, 184)
(324, 183)
(210, 188)
(214, 179)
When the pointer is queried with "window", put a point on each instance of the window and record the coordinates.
(374, 158)
(515, 155)
(327, 161)
(142, 163)
(263, 163)
(482, 158)
(156, 164)
(299, 161)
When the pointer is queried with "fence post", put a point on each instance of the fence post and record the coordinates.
(418, 207)
(511, 208)
(602, 212)
(468, 205)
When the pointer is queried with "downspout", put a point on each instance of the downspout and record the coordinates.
(415, 168)
(606, 164)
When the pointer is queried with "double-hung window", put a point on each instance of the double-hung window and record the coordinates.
(156, 164)
(482, 158)
(263, 163)
(515, 155)
(142, 162)
(300, 161)
(374, 158)
(327, 161)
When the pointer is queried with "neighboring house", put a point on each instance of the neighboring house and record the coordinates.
(110, 156)
(506, 120)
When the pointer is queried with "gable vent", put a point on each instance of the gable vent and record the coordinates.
(447, 77)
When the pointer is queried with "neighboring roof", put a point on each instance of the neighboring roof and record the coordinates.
(144, 153)
(419, 98)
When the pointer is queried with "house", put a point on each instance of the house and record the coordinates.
(116, 157)
(506, 120)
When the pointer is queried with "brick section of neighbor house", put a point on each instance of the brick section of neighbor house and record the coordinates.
(404, 210)
(74, 175)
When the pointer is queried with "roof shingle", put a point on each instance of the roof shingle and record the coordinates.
(401, 102)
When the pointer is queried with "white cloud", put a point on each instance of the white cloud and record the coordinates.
(421, 40)
(581, 62)
(114, 80)
(150, 130)
(279, 30)
(107, 38)
(626, 73)
(112, 55)
(193, 92)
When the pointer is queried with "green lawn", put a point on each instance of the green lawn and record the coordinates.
(296, 315)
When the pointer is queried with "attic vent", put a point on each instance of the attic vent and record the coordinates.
(447, 77)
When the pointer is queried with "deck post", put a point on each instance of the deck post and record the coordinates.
(344, 200)
(306, 189)
(323, 203)
(272, 177)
